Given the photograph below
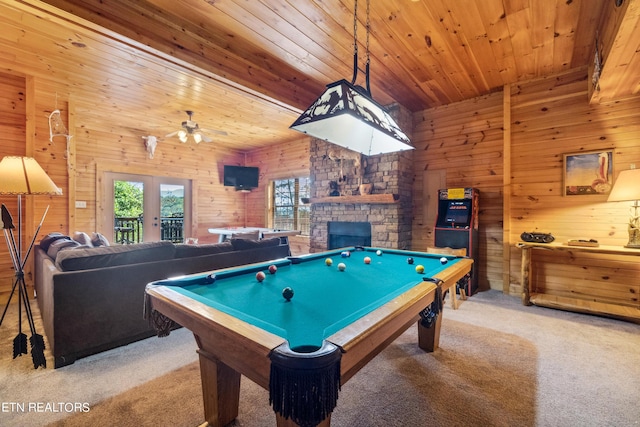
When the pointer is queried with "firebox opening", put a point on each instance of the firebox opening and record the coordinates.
(344, 233)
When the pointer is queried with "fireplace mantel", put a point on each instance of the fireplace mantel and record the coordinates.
(367, 198)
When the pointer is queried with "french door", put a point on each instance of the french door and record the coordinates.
(144, 208)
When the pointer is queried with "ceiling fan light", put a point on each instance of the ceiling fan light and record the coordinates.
(182, 135)
(197, 138)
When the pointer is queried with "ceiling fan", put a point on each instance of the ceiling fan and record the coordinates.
(189, 127)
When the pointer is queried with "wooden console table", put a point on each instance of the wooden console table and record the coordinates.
(629, 308)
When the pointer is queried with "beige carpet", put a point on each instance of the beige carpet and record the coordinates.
(500, 364)
(409, 387)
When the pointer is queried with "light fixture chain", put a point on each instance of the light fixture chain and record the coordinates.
(368, 28)
(355, 28)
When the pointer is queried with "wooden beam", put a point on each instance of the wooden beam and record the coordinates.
(506, 189)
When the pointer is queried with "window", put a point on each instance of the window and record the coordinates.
(288, 211)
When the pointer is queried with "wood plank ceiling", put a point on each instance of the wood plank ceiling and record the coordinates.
(423, 53)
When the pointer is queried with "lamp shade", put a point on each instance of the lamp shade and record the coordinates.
(23, 175)
(346, 115)
(626, 187)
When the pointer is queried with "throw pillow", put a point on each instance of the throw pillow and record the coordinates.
(98, 239)
(61, 244)
(50, 238)
(82, 238)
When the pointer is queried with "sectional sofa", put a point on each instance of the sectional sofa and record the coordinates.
(91, 298)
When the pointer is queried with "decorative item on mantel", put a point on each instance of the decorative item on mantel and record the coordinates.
(333, 189)
(347, 115)
(627, 188)
(365, 189)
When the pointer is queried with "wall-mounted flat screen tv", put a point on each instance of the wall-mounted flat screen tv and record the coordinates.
(241, 177)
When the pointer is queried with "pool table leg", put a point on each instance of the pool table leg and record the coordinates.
(429, 338)
(220, 390)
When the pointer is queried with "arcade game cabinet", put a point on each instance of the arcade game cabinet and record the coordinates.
(457, 227)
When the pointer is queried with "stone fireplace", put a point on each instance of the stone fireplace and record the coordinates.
(388, 209)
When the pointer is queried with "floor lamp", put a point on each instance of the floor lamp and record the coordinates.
(18, 176)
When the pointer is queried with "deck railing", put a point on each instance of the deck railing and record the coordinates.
(128, 230)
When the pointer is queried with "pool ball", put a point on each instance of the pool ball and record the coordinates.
(287, 293)
(443, 260)
(419, 269)
(409, 260)
(367, 260)
(345, 254)
(342, 266)
(273, 269)
(328, 261)
(260, 276)
(378, 252)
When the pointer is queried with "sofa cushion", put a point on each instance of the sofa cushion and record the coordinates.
(109, 256)
(244, 244)
(184, 251)
(50, 238)
(57, 245)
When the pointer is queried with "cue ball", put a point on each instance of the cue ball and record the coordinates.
(420, 269)
(342, 266)
(328, 261)
(367, 260)
(378, 252)
(273, 269)
(409, 260)
(443, 260)
(287, 293)
(260, 276)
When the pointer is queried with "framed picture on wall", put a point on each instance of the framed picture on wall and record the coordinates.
(588, 173)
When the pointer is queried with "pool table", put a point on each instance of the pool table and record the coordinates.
(331, 323)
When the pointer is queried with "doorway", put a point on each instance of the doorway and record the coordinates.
(145, 208)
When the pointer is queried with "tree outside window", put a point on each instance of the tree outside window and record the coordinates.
(289, 213)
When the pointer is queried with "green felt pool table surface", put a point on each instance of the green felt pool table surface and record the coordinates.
(325, 298)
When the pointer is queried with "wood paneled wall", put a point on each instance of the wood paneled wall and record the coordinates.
(286, 160)
(533, 123)
(464, 142)
(549, 118)
(12, 130)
